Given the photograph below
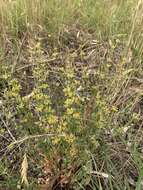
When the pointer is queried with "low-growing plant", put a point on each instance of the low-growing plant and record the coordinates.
(71, 94)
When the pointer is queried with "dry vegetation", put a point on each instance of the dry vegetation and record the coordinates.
(71, 94)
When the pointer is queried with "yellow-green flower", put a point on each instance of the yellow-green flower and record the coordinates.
(70, 111)
(52, 120)
(56, 140)
(73, 151)
(70, 138)
(76, 115)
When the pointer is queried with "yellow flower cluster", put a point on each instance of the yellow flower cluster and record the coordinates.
(69, 138)
(52, 119)
(15, 89)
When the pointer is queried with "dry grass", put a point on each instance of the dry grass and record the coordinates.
(90, 55)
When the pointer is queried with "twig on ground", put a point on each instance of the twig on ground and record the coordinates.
(33, 137)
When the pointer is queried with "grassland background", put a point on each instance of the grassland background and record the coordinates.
(102, 143)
